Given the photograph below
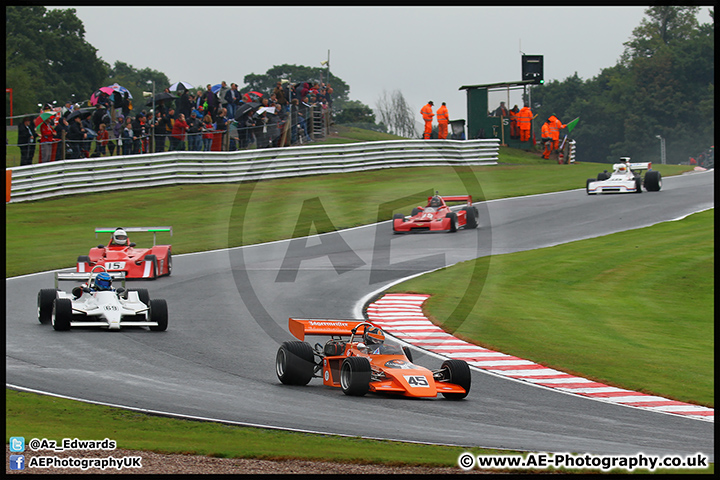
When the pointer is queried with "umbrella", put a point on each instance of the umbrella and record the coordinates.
(119, 88)
(270, 110)
(216, 88)
(96, 94)
(161, 97)
(80, 112)
(42, 117)
(244, 108)
(180, 86)
(253, 95)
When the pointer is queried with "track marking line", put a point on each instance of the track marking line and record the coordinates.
(401, 316)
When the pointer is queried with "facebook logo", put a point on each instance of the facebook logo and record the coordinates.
(17, 462)
(17, 444)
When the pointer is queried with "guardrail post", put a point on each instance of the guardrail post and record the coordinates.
(53, 179)
(8, 184)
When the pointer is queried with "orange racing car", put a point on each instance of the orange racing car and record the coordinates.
(364, 363)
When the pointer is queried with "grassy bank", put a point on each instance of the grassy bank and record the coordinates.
(201, 215)
(645, 323)
(36, 416)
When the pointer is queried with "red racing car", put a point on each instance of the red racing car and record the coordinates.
(437, 216)
(120, 255)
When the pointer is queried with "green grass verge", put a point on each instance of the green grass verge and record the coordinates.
(634, 309)
(201, 214)
(36, 416)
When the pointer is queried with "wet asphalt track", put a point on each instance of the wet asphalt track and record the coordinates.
(229, 311)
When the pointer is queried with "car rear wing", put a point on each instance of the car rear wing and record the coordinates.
(154, 230)
(322, 326)
(455, 198)
(85, 277)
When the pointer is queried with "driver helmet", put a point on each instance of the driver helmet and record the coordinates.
(373, 335)
(103, 281)
(435, 201)
(622, 167)
(120, 237)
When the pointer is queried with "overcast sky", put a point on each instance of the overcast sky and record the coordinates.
(427, 53)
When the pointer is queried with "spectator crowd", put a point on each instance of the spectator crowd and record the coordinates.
(217, 118)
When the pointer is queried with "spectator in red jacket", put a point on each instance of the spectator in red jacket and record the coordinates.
(177, 139)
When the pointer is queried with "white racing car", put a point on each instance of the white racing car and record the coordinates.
(625, 179)
(96, 303)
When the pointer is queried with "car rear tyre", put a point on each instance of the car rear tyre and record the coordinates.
(415, 211)
(294, 363)
(653, 181)
(457, 372)
(153, 259)
(603, 176)
(453, 221)
(169, 263)
(355, 376)
(396, 217)
(45, 299)
(86, 260)
(159, 314)
(408, 353)
(143, 295)
(61, 313)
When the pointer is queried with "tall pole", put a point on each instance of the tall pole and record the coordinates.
(152, 121)
(662, 148)
(327, 83)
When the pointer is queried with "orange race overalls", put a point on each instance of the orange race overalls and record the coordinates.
(546, 137)
(555, 127)
(514, 130)
(524, 123)
(427, 115)
(443, 119)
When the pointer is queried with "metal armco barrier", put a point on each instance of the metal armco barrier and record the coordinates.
(92, 175)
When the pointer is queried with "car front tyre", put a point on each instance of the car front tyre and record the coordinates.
(653, 181)
(638, 185)
(453, 221)
(470, 217)
(61, 314)
(457, 372)
(587, 186)
(159, 314)
(355, 376)
(45, 299)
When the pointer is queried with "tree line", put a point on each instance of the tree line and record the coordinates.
(48, 60)
(663, 85)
